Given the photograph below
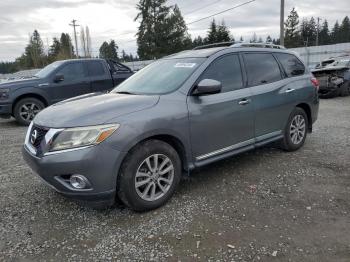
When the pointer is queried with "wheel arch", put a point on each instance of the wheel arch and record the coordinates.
(307, 110)
(29, 95)
(173, 141)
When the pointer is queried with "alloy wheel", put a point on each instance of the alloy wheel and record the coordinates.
(297, 129)
(154, 177)
(28, 111)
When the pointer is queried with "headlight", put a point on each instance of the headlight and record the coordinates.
(82, 136)
(4, 93)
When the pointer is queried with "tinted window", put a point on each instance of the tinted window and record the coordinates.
(227, 70)
(48, 69)
(95, 68)
(72, 71)
(291, 65)
(261, 68)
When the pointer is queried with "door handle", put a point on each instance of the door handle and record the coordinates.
(289, 90)
(244, 102)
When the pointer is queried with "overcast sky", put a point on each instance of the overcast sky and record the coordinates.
(114, 19)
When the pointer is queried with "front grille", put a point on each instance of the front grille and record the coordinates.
(36, 138)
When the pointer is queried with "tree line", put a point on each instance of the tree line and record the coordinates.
(309, 32)
(163, 31)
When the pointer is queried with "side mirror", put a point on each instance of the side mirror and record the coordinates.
(58, 78)
(207, 87)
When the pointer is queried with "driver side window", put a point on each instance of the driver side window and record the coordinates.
(72, 71)
(227, 70)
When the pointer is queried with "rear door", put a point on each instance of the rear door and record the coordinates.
(223, 122)
(75, 82)
(99, 75)
(273, 97)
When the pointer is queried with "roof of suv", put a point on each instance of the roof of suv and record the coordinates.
(197, 53)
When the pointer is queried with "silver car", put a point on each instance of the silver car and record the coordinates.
(181, 112)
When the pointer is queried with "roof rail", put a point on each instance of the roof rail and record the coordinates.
(214, 45)
(261, 45)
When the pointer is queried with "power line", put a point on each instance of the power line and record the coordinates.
(195, 10)
(226, 10)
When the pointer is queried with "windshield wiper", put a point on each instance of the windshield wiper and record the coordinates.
(125, 92)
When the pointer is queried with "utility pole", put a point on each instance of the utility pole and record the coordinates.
(282, 23)
(317, 29)
(75, 35)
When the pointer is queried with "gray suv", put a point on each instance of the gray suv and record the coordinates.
(181, 112)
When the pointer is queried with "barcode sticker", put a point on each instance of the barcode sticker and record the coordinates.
(186, 65)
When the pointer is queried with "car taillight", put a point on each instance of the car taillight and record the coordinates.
(315, 82)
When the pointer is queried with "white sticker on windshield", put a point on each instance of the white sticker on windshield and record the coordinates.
(186, 65)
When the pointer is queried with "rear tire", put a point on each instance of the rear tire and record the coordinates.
(295, 131)
(26, 109)
(149, 175)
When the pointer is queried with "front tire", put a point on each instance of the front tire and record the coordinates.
(149, 175)
(295, 131)
(26, 109)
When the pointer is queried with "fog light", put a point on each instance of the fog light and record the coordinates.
(78, 181)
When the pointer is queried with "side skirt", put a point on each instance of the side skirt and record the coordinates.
(237, 149)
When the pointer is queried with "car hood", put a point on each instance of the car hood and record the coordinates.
(92, 109)
(18, 83)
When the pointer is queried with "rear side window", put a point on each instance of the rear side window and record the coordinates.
(261, 68)
(95, 68)
(227, 70)
(291, 64)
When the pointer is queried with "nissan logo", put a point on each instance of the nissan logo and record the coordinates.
(33, 136)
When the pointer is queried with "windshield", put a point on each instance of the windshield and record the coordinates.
(48, 69)
(160, 77)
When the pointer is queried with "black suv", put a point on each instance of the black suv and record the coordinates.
(61, 80)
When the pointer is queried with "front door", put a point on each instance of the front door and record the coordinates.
(75, 82)
(223, 122)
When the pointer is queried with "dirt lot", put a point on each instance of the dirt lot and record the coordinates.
(265, 205)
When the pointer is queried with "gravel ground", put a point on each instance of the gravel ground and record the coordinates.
(265, 205)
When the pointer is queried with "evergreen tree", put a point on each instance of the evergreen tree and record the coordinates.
(109, 50)
(198, 41)
(241, 39)
(153, 31)
(291, 32)
(124, 56)
(8, 67)
(254, 38)
(268, 39)
(212, 33)
(54, 50)
(344, 30)
(178, 38)
(33, 56)
(276, 41)
(313, 31)
(223, 33)
(308, 32)
(336, 34)
(324, 34)
(66, 50)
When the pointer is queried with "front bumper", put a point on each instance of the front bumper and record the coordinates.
(5, 110)
(99, 164)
